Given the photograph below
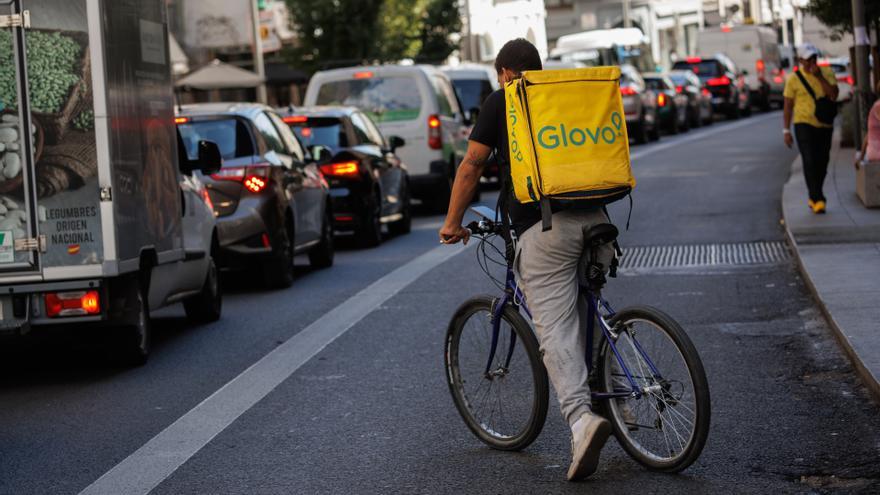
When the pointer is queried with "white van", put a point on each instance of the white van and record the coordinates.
(415, 102)
(755, 52)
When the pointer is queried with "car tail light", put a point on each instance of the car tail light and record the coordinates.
(435, 133)
(760, 67)
(254, 178)
(627, 91)
(181, 120)
(78, 303)
(694, 60)
(341, 169)
(706, 92)
(363, 75)
(725, 29)
(846, 79)
(661, 99)
(343, 218)
(679, 89)
(719, 81)
(823, 63)
(295, 119)
(207, 199)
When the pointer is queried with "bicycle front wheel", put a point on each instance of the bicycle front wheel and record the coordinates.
(665, 428)
(506, 406)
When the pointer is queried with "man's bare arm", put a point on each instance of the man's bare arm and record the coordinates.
(467, 179)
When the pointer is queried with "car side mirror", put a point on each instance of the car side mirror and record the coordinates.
(210, 160)
(395, 142)
(320, 153)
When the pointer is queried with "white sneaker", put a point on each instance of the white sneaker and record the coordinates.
(588, 436)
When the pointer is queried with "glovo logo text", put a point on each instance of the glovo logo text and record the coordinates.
(515, 149)
(551, 136)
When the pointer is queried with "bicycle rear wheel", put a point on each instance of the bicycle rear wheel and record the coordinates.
(666, 428)
(506, 407)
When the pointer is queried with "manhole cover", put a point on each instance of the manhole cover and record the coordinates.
(704, 255)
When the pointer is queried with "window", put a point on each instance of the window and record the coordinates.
(230, 135)
(373, 131)
(287, 136)
(325, 131)
(384, 99)
(269, 133)
(360, 129)
(445, 108)
(472, 92)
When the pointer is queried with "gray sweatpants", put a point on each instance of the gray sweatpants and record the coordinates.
(547, 263)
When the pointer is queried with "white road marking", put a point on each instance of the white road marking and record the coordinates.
(717, 129)
(151, 464)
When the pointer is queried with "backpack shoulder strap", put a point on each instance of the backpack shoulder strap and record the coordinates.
(806, 85)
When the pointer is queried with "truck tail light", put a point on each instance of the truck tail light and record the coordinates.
(435, 133)
(254, 178)
(341, 169)
(760, 67)
(78, 303)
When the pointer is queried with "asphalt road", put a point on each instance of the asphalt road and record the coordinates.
(370, 411)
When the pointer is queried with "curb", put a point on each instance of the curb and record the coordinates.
(869, 380)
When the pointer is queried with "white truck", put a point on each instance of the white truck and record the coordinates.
(755, 52)
(100, 219)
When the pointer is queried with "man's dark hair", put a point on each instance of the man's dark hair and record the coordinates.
(518, 55)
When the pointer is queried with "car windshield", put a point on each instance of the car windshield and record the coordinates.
(656, 84)
(704, 68)
(472, 92)
(384, 99)
(230, 135)
(679, 79)
(325, 131)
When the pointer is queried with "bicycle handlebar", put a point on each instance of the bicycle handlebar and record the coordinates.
(483, 227)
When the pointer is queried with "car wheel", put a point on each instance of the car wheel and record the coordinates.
(321, 256)
(370, 232)
(733, 110)
(654, 133)
(278, 271)
(747, 110)
(136, 332)
(694, 118)
(640, 132)
(710, 119)
(404, 225)
(207, 305)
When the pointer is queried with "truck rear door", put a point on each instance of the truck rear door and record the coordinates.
(20, 243)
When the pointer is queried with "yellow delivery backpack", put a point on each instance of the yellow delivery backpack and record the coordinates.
(567, 137)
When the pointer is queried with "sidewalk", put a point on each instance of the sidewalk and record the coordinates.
(839, 256)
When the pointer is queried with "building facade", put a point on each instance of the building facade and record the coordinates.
(670, 25)
(488, 24)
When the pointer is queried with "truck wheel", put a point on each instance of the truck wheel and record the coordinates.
(321, 256)
(135, 334)
(278, 270)
(207, 305)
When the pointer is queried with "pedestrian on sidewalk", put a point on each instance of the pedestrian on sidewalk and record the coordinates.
(803, 93)
(547, 263)
(871, 145)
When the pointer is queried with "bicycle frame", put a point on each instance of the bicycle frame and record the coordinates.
(596, 304)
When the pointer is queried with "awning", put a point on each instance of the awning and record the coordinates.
(220, 75)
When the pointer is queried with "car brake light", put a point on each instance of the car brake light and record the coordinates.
(706, 92)
(661, 99)
(305, 131)
(341, 169)
(679, 89)
(694, 60)
(181, 120)
(363, 75)
(627, 91)
(254, 178)
(435, 133)
(207, 199)
(718, 81)
(823, 63)
(295, 119)
(725, 29)
(759, 66)
(846, 79)
(78, 303)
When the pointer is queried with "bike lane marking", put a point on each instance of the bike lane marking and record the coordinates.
(156, 460)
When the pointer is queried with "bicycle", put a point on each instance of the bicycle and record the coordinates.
(660, 419)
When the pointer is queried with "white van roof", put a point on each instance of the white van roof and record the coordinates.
(598, 39)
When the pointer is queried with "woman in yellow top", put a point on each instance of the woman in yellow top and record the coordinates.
(813, 137)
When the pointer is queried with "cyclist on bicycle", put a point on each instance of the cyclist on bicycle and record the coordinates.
(546, 261)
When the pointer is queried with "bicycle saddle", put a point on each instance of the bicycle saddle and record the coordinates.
(600, 234)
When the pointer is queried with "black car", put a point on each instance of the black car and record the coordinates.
(369, 185)
(719, 74)
(699, 99)
(671, 105)
(270, 199)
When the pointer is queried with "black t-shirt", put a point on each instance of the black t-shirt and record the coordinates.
(491, 130)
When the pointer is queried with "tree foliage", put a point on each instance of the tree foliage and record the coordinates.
(347, 32)
(837, 14)
(440, 30)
